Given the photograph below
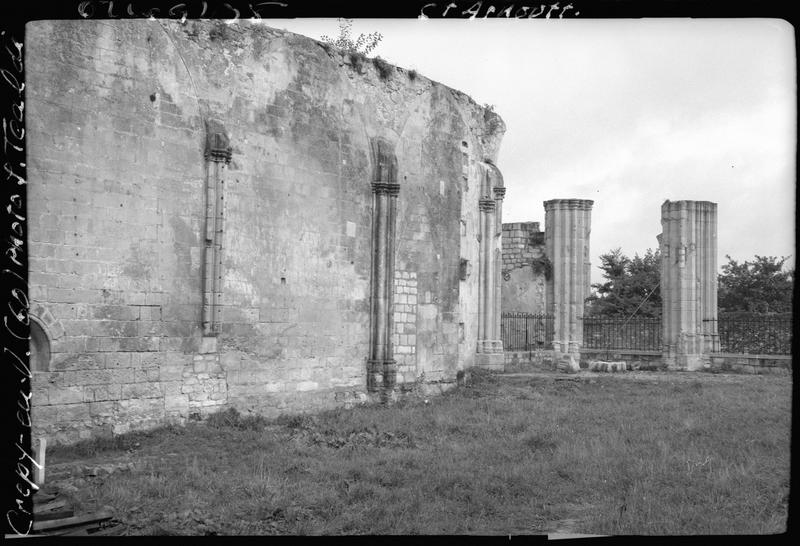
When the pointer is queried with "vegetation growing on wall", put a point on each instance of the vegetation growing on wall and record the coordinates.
(358, 49)
(220, 31)
(542, 266)
(363, 44)
(385, 70)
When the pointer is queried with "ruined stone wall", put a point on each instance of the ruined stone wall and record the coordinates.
(117, 117)
(524, 268)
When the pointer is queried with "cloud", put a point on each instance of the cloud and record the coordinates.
(628, 113)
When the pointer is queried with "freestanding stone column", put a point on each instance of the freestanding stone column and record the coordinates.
(381, 367)
(490, 347)
(568, 224)
(688, 245)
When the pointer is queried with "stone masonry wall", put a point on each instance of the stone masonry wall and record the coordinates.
(116, 132)
(523, 287)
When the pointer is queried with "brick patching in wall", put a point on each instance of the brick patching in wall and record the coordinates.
(404, 337)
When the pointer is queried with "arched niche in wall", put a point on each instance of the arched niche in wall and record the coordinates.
(39, 348)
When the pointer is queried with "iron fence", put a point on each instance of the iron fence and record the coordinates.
(640, 333)
(526, 331)
(755, 334)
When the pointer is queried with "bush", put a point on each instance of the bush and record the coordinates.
(231, 418)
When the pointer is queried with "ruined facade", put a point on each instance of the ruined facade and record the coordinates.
(689, 281)
(228, 215)
(525, 268)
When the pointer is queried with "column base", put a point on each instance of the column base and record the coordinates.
(374, 375)
(687, 363)
(381, 375)
(490, 361)
(489, 346)
(568, 362)
(695, 362)
(711, 343)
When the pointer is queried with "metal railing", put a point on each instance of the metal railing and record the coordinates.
(526, 331)
(755, 334)
(640, 333)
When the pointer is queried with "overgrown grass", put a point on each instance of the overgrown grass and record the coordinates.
(667, 454)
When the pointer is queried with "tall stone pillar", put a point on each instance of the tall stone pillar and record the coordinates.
(688, 244)
(381, 367)
(490, 347)
(568, 224)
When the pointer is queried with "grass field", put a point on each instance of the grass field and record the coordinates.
(634, 453)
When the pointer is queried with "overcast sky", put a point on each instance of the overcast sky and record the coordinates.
(627, 113)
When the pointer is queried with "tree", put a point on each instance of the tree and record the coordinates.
(364, 44)
(757, 286)
(632, 285)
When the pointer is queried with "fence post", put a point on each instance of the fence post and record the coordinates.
(527, 346)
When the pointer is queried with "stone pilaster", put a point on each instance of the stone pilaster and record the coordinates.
(217, 156)
(688, 244)
(499, 195)
(381, 367)
(490, 347)
(567, 228)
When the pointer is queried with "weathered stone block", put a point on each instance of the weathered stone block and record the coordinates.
(208, 344)
(103, 409)
(116, 312)
(141, 390)
(143, 375)
(176, 401)
(73, 412)
(100, 393)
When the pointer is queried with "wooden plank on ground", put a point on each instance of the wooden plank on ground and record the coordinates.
(83, 531)
(72, 521)
(39, 508)
(114, 530)
(38, 466)
(59, 514)
(43, 497)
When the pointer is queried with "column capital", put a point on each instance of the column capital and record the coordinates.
(499, 192)
(698, 206)
(568, 204)
(486, 204)
(384, 160)
(218, 147)
(387, 188)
